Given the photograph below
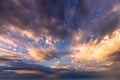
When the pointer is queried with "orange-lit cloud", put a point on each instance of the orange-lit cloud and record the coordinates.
(35, 32)
(7, 40)
(96, 51)
(40, 55)
(26, 72)
(58, 65)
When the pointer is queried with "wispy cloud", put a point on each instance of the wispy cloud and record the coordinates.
(74, 36)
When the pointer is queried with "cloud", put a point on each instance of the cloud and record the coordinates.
(11, 15)
(33, 19)
(40, 55)
(26, 72)
(46, 54)
(16, 68)
(33, 16)
(32, 31)
(58, 65)
(19, 69)
(94, 55)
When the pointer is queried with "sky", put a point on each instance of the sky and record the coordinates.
(59, 39)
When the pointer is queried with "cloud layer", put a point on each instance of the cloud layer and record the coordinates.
(60, 35)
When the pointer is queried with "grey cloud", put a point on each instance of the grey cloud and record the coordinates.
(114, 69)
(22, 16)
(115, 56)
(9, 71)
(37, 15)
(49, 73)
(55, 16)
(42, 72)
